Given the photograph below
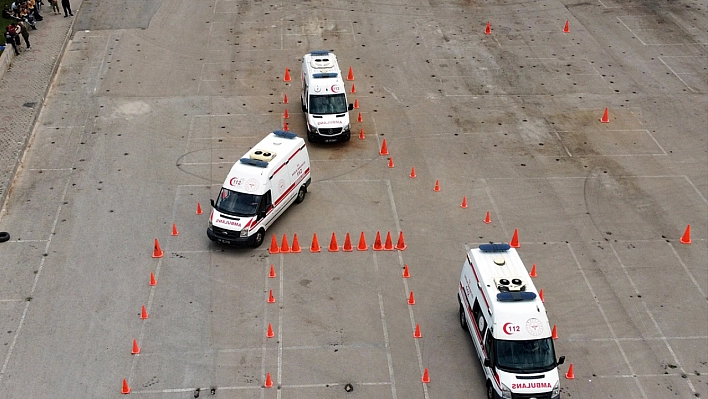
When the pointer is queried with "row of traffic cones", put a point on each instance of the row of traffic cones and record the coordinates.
(488, 29)
(378, 244)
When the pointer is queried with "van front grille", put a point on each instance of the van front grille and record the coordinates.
(330, 131)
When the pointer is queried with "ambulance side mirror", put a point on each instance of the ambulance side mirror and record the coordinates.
(487, 363)
(561, 360)
(212, 202)
(351, 107)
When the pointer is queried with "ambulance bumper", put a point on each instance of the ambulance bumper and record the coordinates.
(229, 237)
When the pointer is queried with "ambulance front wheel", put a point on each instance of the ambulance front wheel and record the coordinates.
(258, 238)
(490, 391)
(301, 195)
(4, 236)
(463, 321)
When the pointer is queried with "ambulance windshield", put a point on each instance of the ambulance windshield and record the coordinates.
(328, 104)
(531, 356)
(238, 204)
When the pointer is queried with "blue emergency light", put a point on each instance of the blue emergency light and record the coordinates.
(494, 247)
(319, 52)
(324, 75)
(515, 296)
(254, 162)
(284, 134)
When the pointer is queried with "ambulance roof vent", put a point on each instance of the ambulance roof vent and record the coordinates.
(262, 155)
(254, 162)
(494, 247)
(510, 284)
(321, 60)
(284, 135)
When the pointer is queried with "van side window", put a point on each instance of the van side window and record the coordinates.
(265, 204)
(479, 317)
(489, 344)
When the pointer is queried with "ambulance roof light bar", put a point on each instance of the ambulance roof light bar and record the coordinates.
(254, 162)
(516, 296)
(324, 75)
(494, 247)
(284, 134)
(319, 52)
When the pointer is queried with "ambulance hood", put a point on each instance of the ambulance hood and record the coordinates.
(534, 383)
(235, 223)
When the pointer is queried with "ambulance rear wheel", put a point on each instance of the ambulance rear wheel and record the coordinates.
(4, 236)
(258, 238)
(490, 391)
(301, 195)
(463, 321)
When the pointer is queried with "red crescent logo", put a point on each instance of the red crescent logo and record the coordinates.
(506, 331)
(334, 88)
(231, 182)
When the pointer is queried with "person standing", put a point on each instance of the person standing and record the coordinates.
(55, 7)
(10, 38)
(22, 30)
(67, 8)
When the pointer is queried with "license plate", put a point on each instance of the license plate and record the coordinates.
(221, 240)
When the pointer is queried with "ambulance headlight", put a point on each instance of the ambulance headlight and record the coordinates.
(556, 391)
(210, 224)
(505, 391)
(346, 128)
(244, 233)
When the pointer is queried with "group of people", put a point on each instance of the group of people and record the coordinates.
(25, 14)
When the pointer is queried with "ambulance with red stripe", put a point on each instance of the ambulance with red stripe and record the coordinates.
(269, 178)
(502, 311)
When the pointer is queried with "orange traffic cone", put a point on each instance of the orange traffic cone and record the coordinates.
(153, 281)
(388, 246)
(686, 237)
(296, 245)
(315, 247)
(287, 75)
(605, 117)
(362, 243)
(143, 313)
(271, 298)
(515, 239)
(361, 134)
(356, 104)
(157, 251)
(274, 245)
(136, 348)
(271, 274)
(269, 333)
(533, 271)
(426, 377)
(540, 295)
(411, 299)
(569, 375)
(384, 148)
(377, 242)
(464, 202)
(174, 230)
(359, 118)
(285, 126)
(350, 76)
(199, 208)
(285, 98)
(268, 381)
(284, 246)
(488, 29)
(353, 88)
(286, 115)
(333, 246)
(437, 186)
(406, 273)
(347, 244)
(566, 28)
(412, 175)
(417, 334)
(488, 218)
(554, 332)
(401, 244)
(126, 388)
(390, 162)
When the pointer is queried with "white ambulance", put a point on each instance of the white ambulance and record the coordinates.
(502, 311)
(259, 188)
(324, 98)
